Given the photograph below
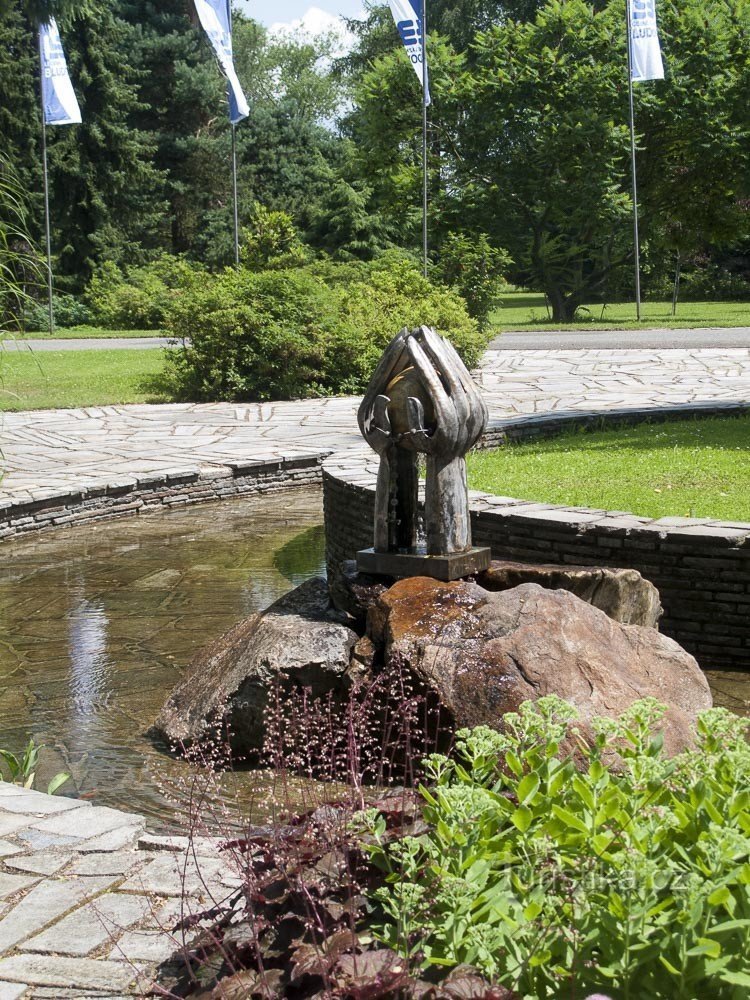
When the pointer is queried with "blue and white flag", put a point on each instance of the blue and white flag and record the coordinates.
(59, 102)
(215, 19)
(645, 52)
(408, 17)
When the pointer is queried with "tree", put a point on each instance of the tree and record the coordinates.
(344, 225)
(104, 188)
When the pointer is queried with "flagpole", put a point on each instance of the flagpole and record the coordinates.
(234, 196)
(424, 137)
(636, 240)
(45, 175)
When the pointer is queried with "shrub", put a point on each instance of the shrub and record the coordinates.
(629, 874)
(475, 269)
(317, 330)
(139, 297)
(67, 309)
(271, 241)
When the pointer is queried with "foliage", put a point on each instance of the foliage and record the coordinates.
(271, 241)
(629, 873)
(19, 263)
(67, 311)
(344, 224)
(22, 769)
(474, 268)
(138, 298)
(316, 330)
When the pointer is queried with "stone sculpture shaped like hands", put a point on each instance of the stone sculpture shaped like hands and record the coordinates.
(422, 399)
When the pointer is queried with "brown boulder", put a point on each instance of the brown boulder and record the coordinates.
(298, 641)
(481, 654)
(623, 594)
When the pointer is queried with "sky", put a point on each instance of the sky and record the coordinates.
(274, 12)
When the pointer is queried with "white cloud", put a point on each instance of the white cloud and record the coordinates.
(316, 21)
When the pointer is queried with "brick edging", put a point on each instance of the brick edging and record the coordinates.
(134, 494)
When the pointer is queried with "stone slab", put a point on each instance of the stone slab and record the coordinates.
(452, 566)
(11, 884)
(93, 925)
(12, 991)
(44, 903)
(81, 973)
(98, 820)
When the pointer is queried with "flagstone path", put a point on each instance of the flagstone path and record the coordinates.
(54, 452)
(88, 900)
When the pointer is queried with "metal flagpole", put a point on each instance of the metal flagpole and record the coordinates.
(424, 137)
(234, 195)
(636, 240)
(46, 203)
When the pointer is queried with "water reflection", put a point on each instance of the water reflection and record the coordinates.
(97, 623)
(87, 651)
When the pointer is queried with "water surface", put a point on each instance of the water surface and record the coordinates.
(97, 623)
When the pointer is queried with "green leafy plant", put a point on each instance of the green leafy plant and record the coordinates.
(271, 241)
(619, 870)
(298, 332)
(22, 768)
(138, 298)
(474, 268)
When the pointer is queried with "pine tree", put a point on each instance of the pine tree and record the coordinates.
(105, 191)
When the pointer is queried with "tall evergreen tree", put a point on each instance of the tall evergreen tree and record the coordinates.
(104, 187)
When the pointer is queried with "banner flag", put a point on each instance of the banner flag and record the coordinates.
(408, 17)
(645, 52)
(59, 103)
(215, 19)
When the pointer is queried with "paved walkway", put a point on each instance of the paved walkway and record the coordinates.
(51, 452)
(87, 901)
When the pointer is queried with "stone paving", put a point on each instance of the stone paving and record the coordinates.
(87, 898)
(50, 452)
(89, 901)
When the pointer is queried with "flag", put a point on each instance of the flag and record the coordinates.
(215, 19)
(59, 103)
(408, 17)
(645, 52)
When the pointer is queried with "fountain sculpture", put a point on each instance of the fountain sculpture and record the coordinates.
(422, 401)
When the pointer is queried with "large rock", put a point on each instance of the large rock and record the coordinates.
(623, 594)
(299, 641)
(481, 654)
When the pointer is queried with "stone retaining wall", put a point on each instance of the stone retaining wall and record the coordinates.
(147, 493)
(701, 567)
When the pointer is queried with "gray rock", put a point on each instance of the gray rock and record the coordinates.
(622, 594)
(480, 654)
(299, 641)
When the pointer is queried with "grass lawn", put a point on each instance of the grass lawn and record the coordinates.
(696, 468)
(87, 333)
(52, 379)
(527, 311)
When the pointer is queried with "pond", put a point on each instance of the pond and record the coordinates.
(98, 622)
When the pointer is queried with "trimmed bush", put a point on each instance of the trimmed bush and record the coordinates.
(68, 311)
(139, 297)
(317, 330)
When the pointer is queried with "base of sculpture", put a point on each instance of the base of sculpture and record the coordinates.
(452, 566)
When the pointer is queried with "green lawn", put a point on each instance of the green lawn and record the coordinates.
(527, 311)
(52, 379)
(696, 468)
(87, 333)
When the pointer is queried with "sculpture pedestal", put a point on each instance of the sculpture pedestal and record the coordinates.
(444, 567)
